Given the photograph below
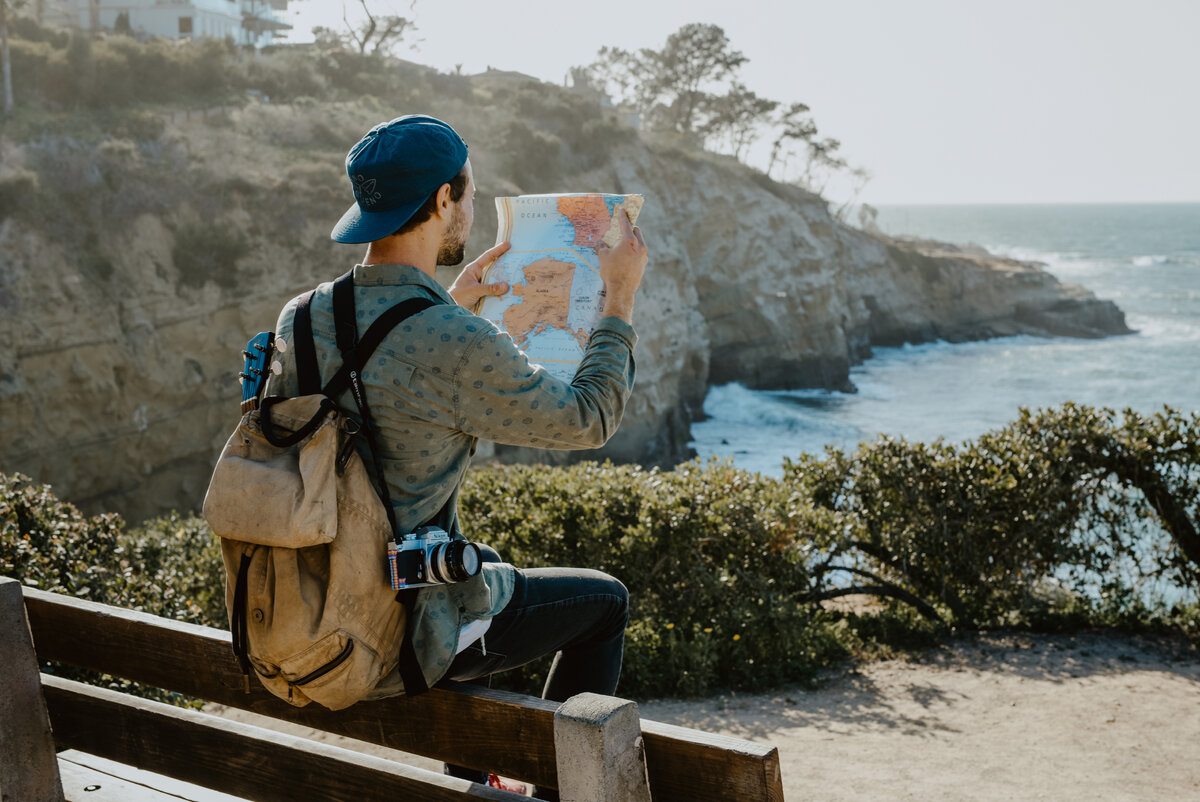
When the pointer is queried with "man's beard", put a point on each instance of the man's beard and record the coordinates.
(454, 243)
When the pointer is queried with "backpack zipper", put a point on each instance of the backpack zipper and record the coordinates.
(325, 669)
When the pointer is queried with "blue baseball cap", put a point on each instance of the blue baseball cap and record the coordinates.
(394, 169)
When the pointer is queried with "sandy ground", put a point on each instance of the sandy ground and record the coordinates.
(984, 717)
(989, 717)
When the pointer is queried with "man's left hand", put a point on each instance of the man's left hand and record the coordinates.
(469, 288)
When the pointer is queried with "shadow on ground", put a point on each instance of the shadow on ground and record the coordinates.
(904, 697)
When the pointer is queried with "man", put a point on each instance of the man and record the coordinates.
(445, 378)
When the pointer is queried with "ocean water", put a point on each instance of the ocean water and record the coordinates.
(1145, 257)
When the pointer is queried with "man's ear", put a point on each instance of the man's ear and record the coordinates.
(444, 201)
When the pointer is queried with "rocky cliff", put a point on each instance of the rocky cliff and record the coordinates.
(133, 270)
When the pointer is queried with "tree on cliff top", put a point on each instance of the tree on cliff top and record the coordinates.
(737, 118)
(672, 87)
(690, 87)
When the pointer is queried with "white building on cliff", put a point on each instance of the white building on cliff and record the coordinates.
(249, 22)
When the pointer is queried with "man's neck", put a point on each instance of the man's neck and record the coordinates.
(415, 248)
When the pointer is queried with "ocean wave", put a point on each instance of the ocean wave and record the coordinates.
(1068, 265)
(1151, 261)
(758, 428)
(1026, 254)
(737, 404)
(1161, 260)
(1165, 331)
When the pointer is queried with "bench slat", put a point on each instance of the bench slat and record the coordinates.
(198, 661)
(91, 778)
(236, 758)
(468, 725)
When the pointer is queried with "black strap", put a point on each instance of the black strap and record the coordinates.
(307, 371)
(346, 329)
(240, 635)
(371, 340)
(345, 321)
(409, 667)
(289, 440)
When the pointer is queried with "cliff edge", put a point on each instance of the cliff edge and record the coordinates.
(132, 272)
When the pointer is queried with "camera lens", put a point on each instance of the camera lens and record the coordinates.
(454, 561)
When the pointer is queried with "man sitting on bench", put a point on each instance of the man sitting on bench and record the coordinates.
(446, 378)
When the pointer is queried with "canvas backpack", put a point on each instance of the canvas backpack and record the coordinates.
(304, 533)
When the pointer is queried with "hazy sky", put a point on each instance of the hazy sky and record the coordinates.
(944, 101)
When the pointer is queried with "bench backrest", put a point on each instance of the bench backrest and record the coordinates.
(463, 724)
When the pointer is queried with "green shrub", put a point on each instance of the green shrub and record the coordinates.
(1064, 519)
(982, 529)
(532, 159)
(713, 556)
(169, 567)
(50, 545)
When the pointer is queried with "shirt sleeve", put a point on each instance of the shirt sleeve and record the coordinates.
(501, 396)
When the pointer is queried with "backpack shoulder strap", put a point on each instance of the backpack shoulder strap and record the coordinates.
(345, 321)
(307, 371)
(355, 352)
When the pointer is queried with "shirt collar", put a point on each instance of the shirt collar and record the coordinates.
(396, 275)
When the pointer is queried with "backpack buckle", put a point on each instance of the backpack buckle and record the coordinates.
(349, 429)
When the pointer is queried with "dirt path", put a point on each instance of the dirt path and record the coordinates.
(989, 717)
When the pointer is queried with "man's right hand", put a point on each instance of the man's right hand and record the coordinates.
(622, 267)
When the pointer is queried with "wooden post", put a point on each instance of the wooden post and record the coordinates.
(28, 766)
(600, 752)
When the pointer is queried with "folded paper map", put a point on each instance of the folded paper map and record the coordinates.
(555, 295)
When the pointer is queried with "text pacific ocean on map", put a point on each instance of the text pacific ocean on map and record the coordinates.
(555, 292)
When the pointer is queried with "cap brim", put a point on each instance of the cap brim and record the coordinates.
(357, 226)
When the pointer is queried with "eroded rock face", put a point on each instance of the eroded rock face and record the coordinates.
(119, 353)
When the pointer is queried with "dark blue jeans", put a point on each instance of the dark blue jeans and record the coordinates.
(576, 614)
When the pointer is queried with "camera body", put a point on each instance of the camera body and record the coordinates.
(429, 556)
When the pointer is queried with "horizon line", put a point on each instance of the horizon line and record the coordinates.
(1038, 203)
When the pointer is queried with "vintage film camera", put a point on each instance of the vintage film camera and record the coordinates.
(429, 556)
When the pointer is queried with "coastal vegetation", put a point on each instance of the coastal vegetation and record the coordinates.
(689, 87)
(687, 90)
(1065, 519)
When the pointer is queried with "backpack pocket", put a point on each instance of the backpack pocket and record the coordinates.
(273, 496)
(318, 661)
(334, 672)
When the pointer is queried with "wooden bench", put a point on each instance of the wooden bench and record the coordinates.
(507, 733)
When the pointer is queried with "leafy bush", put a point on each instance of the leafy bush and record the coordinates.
(712, 556)
(50, 545)
(106, 72)
(531, 157)
(170, 566)
(1072, 496)
(1066, 518)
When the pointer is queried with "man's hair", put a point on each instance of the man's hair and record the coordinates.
(458, 187)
